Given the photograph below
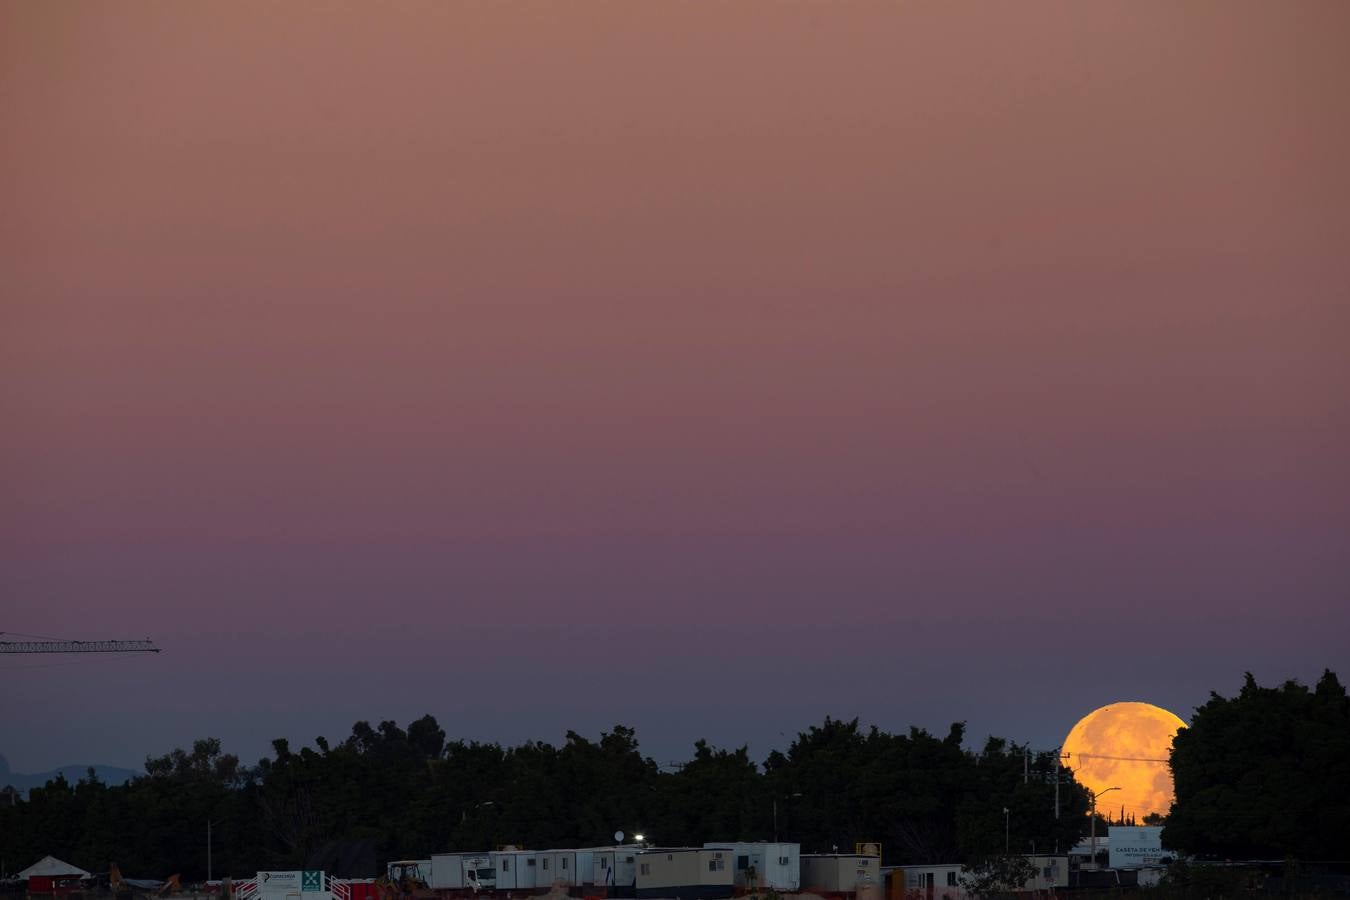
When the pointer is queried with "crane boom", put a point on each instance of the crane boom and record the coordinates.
(78, 647)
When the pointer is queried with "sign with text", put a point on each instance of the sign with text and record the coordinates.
(1132, 846)
(311, 880)
(270, 882)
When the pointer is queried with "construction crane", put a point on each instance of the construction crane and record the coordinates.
(53, 646)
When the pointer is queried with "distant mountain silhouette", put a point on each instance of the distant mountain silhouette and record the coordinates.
(24, 782)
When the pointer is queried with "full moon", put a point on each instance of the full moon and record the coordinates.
(1125, 745)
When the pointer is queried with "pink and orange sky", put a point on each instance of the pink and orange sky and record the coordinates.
(706, 368)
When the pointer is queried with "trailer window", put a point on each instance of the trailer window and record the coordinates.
(782, 860)
(646, 869)
(506, 865)
(628, 859)
(564, 862)
(529, 861)
(716, 865)
(951, 879)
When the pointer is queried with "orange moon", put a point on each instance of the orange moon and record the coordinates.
(1125, 745)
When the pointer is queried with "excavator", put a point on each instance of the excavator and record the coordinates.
(129, 887)
(403, 880)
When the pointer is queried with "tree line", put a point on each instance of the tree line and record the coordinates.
(409, 792)
(1261, 775)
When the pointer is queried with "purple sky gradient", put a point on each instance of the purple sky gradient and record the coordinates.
(703, 369)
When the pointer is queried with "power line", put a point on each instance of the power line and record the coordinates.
(1120, 758)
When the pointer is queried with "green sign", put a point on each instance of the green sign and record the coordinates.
(311, 880)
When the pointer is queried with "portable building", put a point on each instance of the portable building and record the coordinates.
(688, 873)
(1052, 872)
(944, 881)
(616, 870)
(839, 873)
(935, 881)
(515, 869)
(567, 868)
(761, 864)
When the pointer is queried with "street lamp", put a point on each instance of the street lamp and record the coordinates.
(775, 812)
(1095, 795)
(464, 813)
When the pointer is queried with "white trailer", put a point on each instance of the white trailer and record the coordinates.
(763, 864)
(687, 873)
(515, 869)
(839, 873)
(943, 879)
(616, 870)
(565, 868)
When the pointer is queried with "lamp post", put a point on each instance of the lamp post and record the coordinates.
(1095, 795)
(775, 812)
(464, 813)
(1006, 832)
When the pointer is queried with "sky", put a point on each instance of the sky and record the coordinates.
(705, 368)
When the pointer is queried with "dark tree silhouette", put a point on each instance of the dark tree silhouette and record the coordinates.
(1265, 774)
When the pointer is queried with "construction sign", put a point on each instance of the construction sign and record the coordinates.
(311, 880)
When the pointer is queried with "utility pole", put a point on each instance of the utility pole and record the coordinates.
(1058, 757)
(1006, 831)
(1026, 764)
(791, 796)
(208, 849)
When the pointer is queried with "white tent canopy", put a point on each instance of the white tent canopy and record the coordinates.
(50, 866)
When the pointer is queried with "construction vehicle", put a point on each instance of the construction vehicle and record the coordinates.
(405, 879)
(121, 886)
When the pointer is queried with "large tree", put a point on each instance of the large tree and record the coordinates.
(1265, 774)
